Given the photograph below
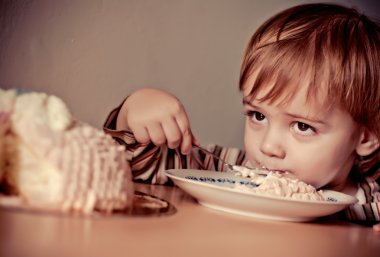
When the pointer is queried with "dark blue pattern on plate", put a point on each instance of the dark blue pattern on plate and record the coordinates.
(221, 180)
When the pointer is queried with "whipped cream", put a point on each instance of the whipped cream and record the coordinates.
(281, 185)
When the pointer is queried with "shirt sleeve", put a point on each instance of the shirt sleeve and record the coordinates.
(367, 210)
(148, 162)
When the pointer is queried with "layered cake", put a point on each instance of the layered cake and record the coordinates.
(51, 161)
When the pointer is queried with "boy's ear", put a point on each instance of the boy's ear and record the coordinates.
(367, 143)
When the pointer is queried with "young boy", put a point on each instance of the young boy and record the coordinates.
(311, 94)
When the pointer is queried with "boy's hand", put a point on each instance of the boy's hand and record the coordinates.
(156, 116)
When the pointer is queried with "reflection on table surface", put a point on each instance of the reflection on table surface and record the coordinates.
(190, 230)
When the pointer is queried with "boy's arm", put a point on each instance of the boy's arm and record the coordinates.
(156, 116)
(153, 126)
(148, 162)
(367, 210)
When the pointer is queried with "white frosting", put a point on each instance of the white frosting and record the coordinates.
(42, 110)
(281, 185)
(252, 173)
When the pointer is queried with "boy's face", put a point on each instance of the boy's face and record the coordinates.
(301, 137)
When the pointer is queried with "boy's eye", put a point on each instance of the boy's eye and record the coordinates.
(303, 129)
(256, 116)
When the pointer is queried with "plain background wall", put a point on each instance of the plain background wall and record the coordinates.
(93, 53)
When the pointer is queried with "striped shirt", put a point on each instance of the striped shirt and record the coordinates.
(148, 163)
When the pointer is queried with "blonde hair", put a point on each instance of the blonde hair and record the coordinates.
(324, 47)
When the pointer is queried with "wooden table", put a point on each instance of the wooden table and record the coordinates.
(192, 230)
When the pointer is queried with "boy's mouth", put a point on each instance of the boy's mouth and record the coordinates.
(273, 170)
(262, 166)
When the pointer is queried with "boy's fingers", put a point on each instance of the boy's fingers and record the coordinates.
(187, 136)
(156, 134)
(141, 135)
(186, 142)
(172, 133)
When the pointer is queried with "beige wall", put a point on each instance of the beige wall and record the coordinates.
(93, 53)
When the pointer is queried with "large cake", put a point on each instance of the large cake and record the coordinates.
(51, 161)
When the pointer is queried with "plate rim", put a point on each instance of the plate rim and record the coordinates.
(271, 197)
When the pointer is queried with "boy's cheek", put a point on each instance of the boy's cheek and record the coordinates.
(251, 149)
(249, 141)
(252, 138)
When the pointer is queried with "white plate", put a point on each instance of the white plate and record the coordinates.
(215, 190)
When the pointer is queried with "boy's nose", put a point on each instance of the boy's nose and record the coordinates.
(272, 145)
